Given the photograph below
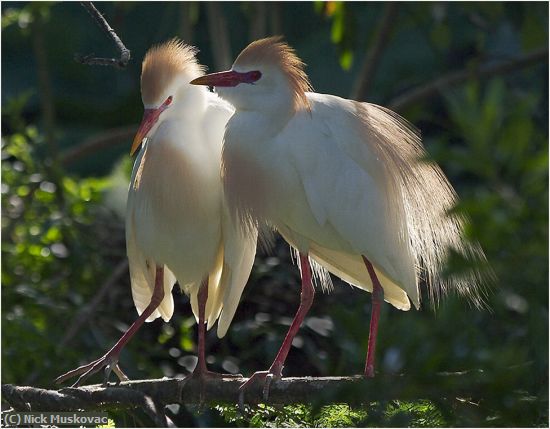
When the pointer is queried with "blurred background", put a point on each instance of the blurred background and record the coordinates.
(472, 76)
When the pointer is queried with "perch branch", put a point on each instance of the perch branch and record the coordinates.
(372, 59)
(90, 59)
(353, 390)
(432, 88)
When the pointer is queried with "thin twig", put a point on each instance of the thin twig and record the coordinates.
(83, 315)
(125, 56)
(430, 89)
(372, 59)
(100, 141)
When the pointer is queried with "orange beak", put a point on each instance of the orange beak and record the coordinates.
(150, 118)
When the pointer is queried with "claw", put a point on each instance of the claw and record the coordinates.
(268, 378)
(267, 385)
(241, 400)
(108, 361)
(120, 374)
(202, 375)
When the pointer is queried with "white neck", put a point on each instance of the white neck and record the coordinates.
(190, 103)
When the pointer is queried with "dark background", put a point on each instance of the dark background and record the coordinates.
(66, 134)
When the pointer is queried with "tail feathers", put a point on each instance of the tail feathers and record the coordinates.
(351, 269)
(422, 198)
(166, 307)
(142, 275)
(193, 291)
(142, 292)
(320, 275)
(194, 300)
(238, 260)
(214, 303)
(223, 323)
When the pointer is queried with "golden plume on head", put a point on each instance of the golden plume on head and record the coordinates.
(273, 51)
(163, 63)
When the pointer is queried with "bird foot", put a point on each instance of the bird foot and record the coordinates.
(203, 375)
(267, 377)
(109, 361)
(369, 371)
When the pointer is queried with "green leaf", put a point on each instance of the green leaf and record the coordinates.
(346, 59)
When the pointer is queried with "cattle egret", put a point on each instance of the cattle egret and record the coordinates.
(177, 222)
(343, 183)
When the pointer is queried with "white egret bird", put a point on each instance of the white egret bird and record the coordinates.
(177, 223)
(342, 182)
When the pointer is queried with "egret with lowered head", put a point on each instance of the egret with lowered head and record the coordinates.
(177, 223)
(343, 182)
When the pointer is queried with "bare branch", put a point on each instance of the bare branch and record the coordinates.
(90, 59)
(371, 61)
(85, 313)
(352, 390)
(430, 89)
(100, 141)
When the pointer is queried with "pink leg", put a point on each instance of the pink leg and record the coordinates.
(306, 299)
(377, 298)
(201, 370)
(203, 297)
(110, 359)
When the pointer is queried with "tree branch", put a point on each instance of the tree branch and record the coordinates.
(125, 57)
(86, 312)
(98, 142)
(352, 390)
(371, 61)
(454, 78)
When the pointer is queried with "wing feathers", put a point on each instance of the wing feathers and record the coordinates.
(239, 252)
(422, 197)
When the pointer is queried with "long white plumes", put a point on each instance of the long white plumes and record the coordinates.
(420, 198)
(320, 276)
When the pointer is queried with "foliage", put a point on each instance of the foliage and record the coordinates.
(63, 234)
(392, 413)
(44, 230)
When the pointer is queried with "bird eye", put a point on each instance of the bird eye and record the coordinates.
(253, 76)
